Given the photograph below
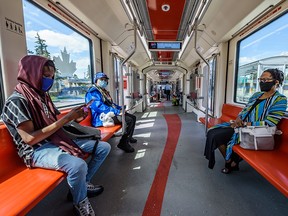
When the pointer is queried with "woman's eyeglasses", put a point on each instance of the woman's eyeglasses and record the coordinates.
(265, 80)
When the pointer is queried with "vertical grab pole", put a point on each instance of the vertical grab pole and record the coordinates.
(121, 77)
(208, 74)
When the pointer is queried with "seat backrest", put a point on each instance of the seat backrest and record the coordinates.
(230, 111)
(10, 162)
(87, 121)
(282, 140)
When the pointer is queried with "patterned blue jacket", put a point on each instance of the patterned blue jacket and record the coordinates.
(268, 112)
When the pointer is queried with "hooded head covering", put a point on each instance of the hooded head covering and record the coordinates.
(41, 108)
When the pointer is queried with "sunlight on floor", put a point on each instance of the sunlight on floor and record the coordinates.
(145, 121)
(137, 168)
(154, 104)
(144, 135)
(146, 125)
(140, 153)
(149, 114)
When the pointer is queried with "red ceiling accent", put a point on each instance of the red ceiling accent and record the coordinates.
(165, 25)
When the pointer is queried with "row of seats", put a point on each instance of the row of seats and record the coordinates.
(272, 164)
(22, 188)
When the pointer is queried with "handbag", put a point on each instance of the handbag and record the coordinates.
(75, 130)
(257, 137)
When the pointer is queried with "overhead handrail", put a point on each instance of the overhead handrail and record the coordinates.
(121, 77)
(208, 73)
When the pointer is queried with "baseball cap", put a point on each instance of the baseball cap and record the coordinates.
(100, 75)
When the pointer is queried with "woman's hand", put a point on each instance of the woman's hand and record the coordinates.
(237, 123)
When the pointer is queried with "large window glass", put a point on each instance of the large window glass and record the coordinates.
(265, 48)
(211, 86)
(71, 52)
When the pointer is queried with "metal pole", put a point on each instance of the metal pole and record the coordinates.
(208, 74)
(121, 77)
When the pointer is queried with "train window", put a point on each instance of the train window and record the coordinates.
(265, 48)
(71, 51)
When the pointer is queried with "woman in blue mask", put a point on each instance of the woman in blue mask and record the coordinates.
(103, 103)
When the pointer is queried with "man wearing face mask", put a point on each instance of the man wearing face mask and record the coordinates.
(266, 107)
(103, 103)
(31, 118)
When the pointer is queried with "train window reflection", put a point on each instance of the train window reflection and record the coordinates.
(71, 52)
(265, 48)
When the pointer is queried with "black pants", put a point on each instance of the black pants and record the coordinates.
(130, 125)
(215, 138)
(168, 95)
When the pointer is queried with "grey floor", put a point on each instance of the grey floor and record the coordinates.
(192, 188)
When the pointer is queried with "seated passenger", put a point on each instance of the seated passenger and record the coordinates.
(175, 100)
(103, 103)
(30, 117)
(263, 108)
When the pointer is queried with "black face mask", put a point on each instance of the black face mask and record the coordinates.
(266, 86)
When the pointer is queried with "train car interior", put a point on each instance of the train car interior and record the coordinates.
(180, 67)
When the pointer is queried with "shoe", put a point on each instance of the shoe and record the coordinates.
(92, 191)
(84, 208)
(229, 168)
(132, 140)
(125, 146)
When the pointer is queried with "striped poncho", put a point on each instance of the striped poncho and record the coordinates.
(267, 112)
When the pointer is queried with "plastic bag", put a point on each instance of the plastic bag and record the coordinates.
(107, 119)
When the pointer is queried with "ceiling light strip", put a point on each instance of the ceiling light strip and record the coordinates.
(131, 14)
(202, 8)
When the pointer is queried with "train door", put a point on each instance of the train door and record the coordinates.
(116, 62)
(211, 85)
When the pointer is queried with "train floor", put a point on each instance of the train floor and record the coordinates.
(167, 175)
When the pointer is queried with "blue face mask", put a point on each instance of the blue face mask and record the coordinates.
(102, 83)
(47, 83)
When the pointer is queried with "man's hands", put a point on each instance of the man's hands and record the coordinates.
(78, 113)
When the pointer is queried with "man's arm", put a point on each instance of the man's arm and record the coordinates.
(31, 136)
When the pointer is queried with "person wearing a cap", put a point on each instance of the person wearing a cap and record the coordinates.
(103, 103)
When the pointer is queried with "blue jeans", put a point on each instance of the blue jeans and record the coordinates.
(50, 156)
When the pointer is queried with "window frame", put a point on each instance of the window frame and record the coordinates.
(237, 57)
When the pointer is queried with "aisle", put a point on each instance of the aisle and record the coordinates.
(190, 188)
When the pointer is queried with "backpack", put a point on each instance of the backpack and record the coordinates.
(75, 130)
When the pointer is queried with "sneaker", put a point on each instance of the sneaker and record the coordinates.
(84, 208)
(92, 191)
(132, 140)
(125, 146)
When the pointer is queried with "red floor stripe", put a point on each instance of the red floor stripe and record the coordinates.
(155, 198)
